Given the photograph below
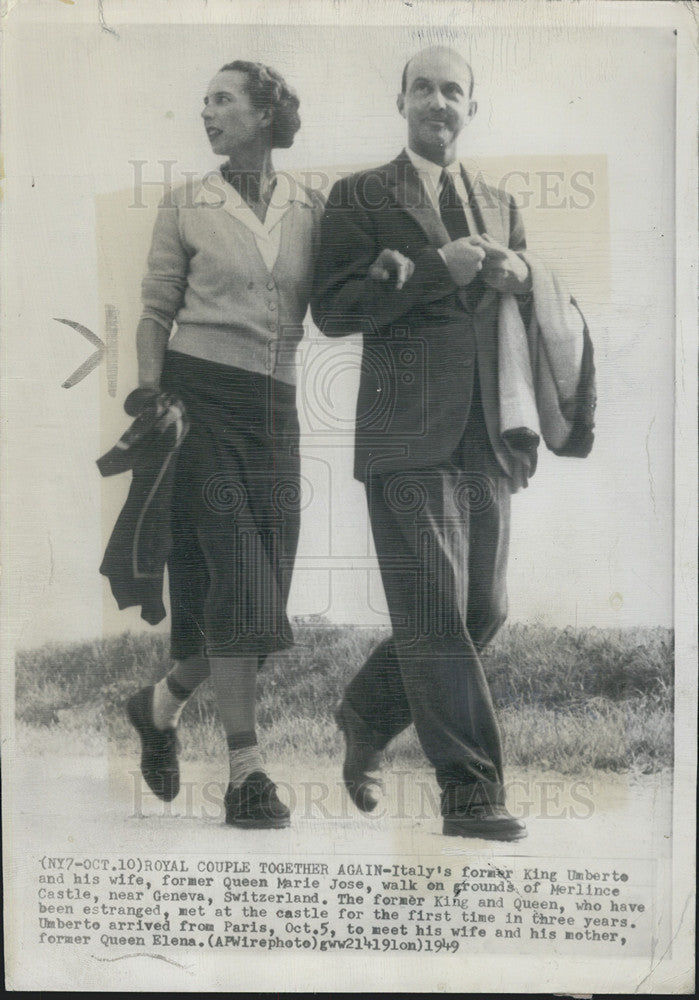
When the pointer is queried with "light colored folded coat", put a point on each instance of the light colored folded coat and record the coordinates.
(543, 371)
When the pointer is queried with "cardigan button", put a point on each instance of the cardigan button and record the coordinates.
(270, 286)
(272, 305)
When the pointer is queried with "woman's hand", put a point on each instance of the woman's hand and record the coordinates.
(138, 399)
(389, 264)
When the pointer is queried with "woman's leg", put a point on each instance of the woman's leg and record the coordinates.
(235, 685)
(172, 693)
(251, 797)
(155, 712)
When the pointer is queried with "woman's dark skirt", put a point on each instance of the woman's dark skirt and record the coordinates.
(235, 511)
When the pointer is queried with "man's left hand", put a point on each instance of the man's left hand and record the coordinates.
(503, 269)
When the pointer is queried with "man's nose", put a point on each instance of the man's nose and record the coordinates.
(437, 99)
(206, 112)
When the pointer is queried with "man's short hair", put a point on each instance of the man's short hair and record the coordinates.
(404, 78)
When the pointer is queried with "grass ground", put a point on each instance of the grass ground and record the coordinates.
(568, 700)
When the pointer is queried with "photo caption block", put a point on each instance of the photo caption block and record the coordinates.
(447, 905)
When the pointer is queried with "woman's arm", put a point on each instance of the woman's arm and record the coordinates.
(151, 341)
(162, 293)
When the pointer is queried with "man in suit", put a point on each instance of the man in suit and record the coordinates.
(415, 254)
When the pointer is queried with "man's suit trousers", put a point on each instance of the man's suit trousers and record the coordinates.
(441, 535)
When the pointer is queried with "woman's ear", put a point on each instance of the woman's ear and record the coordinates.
(265, 118)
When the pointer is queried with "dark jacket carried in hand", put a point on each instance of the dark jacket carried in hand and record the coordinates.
(135, 558)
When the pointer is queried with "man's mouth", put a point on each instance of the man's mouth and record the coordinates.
(213, 133)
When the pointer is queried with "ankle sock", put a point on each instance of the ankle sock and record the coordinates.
(244, 757)
(169, 698)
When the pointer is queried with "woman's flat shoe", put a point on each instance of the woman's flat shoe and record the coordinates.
(255, 805)
(159, 747)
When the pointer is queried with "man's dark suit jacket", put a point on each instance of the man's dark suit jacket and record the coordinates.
(420, 343)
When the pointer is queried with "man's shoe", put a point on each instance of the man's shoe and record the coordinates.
(361, 756)
(254, 805)
(490, 822)
(159, 747)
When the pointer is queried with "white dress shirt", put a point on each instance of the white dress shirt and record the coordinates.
(430, 175)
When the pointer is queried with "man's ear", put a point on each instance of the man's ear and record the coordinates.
(472, 108)
(400, 104)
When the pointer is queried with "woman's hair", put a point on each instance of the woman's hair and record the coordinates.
(269, 91)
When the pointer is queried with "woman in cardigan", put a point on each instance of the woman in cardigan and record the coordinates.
(231, 263)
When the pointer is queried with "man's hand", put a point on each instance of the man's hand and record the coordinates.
(464, 259)
(389, 264)
(503, 269)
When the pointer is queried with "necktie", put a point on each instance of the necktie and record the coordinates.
(451, 209)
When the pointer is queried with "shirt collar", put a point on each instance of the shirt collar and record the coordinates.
(216, 192)
(433, 170)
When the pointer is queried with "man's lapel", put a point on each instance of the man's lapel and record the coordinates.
(407, 189)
